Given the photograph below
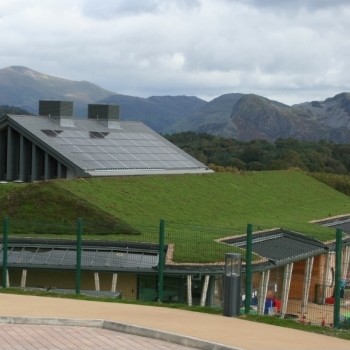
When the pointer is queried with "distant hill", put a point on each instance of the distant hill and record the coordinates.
(158, 112)
(12, 110)
(334, 112)
(23, 87)
(241, 116)
(247, 117)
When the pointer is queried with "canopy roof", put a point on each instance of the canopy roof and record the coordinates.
(281, 247)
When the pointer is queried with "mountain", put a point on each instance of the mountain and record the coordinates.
(247, 116)
(334, 112)
(23, 87)
(158, 112)
(235, 115)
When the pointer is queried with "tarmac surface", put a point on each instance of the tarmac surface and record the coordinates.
(30, 322)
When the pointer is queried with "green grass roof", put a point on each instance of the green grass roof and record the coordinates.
(269, 198)
(221, 203)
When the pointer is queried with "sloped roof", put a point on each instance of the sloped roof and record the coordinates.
(99, 148)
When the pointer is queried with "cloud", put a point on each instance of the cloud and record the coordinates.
(293, 50)
(117, 8)
(287, 5)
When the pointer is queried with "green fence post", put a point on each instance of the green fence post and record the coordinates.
(248, 269)
(5, 252)
(161, 260)
(78, 256)
(338, 257)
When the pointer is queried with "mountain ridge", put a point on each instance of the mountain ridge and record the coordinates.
(234, 115)
(23, 87)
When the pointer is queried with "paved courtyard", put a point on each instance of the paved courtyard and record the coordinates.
(45, 337)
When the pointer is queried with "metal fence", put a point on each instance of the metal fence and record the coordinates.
(304, 277)
(287, 273)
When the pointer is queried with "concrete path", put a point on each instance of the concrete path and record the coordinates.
(233, 332)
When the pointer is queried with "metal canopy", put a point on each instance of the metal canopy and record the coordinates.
(281, 247)
(94, 257)
(342, 223)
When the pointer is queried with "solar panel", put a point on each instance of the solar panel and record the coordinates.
(91, 145)
(51, 256)
(52, 133)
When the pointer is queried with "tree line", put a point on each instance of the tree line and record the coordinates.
(326, 161)
(322, 156)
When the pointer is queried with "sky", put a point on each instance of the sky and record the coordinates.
(291, 51)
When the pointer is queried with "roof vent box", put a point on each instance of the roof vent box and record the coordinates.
(56, 108)
(103, 112)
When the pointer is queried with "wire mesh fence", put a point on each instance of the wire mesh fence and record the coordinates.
(303, 277)
(198, 244)
(295, 273)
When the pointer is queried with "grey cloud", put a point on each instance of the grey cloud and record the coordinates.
(204, 47)
(111, 9)
(117, 8)
(296, 4)
(228, 48)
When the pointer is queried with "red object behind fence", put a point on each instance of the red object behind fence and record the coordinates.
(278, 305)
